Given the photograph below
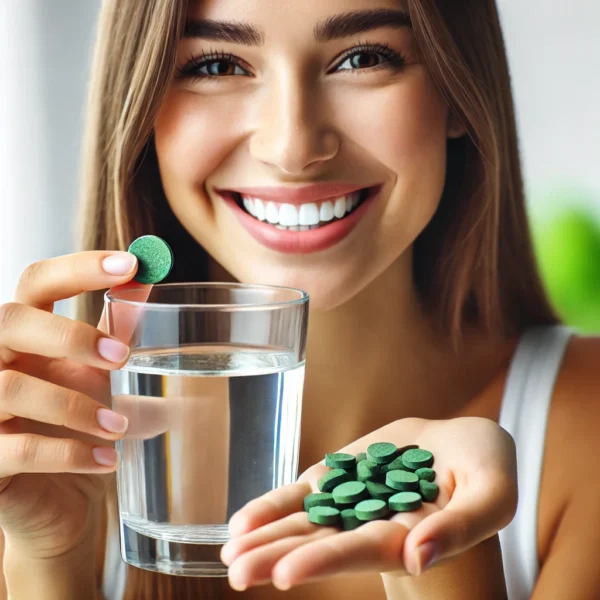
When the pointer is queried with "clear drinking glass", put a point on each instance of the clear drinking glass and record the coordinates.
(213, 393)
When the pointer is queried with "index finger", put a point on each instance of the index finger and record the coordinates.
(272, 506)
(48, 281)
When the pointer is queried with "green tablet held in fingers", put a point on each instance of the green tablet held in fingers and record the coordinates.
(417, 459)
(405, 501)
(324, 515)
(369, 510)
(382, 453)
(323, 499)
(155, 258)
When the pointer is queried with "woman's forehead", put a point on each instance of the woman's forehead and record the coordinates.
(243, 10)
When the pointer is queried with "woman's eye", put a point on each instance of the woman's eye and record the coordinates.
(212, 67)
(369, 58)
(220, 68)
(362, 60)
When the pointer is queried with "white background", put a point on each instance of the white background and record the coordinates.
(45, 52)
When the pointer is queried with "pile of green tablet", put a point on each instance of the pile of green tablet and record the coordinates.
(372, 485)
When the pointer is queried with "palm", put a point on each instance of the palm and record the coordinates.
(475, 471)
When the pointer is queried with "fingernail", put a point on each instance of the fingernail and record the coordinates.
(112, 350)
(120, 263)
(105, 456)
(427, 554)
(111, 421)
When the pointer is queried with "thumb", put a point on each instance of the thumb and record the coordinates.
(479, 508)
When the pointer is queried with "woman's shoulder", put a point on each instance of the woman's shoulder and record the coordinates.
(571, 455)
(575, 410)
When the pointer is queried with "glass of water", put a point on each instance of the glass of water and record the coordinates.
(213, 394)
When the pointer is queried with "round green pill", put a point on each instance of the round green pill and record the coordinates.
(402, 480)
(382, 453)
(324, 515)
(428, 490)
(322, 499)
(340, 460)
(405, 501)
(395, 464)
(380, 491)
(367, 471)
(155, 258)
(361, 456)
(417, 459)
(369, 510)
(349, 520)
(426, 474)
(349, 492)
(332, 479)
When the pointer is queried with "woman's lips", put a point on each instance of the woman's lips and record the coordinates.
(300, 242)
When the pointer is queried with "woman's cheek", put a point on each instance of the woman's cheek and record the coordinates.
(194, 134)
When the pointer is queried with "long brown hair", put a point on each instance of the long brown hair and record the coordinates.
(473, 264)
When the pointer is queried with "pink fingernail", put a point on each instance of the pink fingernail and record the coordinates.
(112, 350)
(105, 456)
(427, 554)
(120, 263)
(111, 421)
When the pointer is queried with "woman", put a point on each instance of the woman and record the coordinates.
(426, 284)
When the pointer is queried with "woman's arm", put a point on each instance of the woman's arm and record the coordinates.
(473, 575)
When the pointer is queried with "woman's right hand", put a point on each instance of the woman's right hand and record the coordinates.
(56, 434)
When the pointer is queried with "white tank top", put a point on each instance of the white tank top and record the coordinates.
(524, 414)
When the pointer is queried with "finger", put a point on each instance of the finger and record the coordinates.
(31, 453)
(374, 546)
(479, 508)
(91, 381)
(25, 396)
(255, 567)
(46, 282)
(33, 331)
(292, 525)
(269, 507)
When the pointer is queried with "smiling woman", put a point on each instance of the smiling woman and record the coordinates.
(344, 148)
(364, 151)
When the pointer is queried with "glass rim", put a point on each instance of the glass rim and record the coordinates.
(302, 297)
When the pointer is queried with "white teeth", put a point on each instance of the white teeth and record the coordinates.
(326, 212)
(259, 208)
(309, 214)
(272, 213)
(249, 206)
(304, 217)
(288, 215)
(339, 210)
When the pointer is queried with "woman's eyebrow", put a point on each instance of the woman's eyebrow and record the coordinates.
(360, 21)
(332, 28)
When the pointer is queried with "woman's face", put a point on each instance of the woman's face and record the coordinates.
(302, 142)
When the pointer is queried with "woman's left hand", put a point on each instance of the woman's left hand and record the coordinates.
(475, 464)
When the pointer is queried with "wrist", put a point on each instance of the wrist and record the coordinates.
(71, 576)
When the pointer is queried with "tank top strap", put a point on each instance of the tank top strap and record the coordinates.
(524, 414)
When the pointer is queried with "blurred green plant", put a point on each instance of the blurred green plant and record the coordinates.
(567, 246)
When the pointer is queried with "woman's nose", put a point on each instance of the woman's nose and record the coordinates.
(292, 133)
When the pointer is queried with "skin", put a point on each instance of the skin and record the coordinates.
(53, 379)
